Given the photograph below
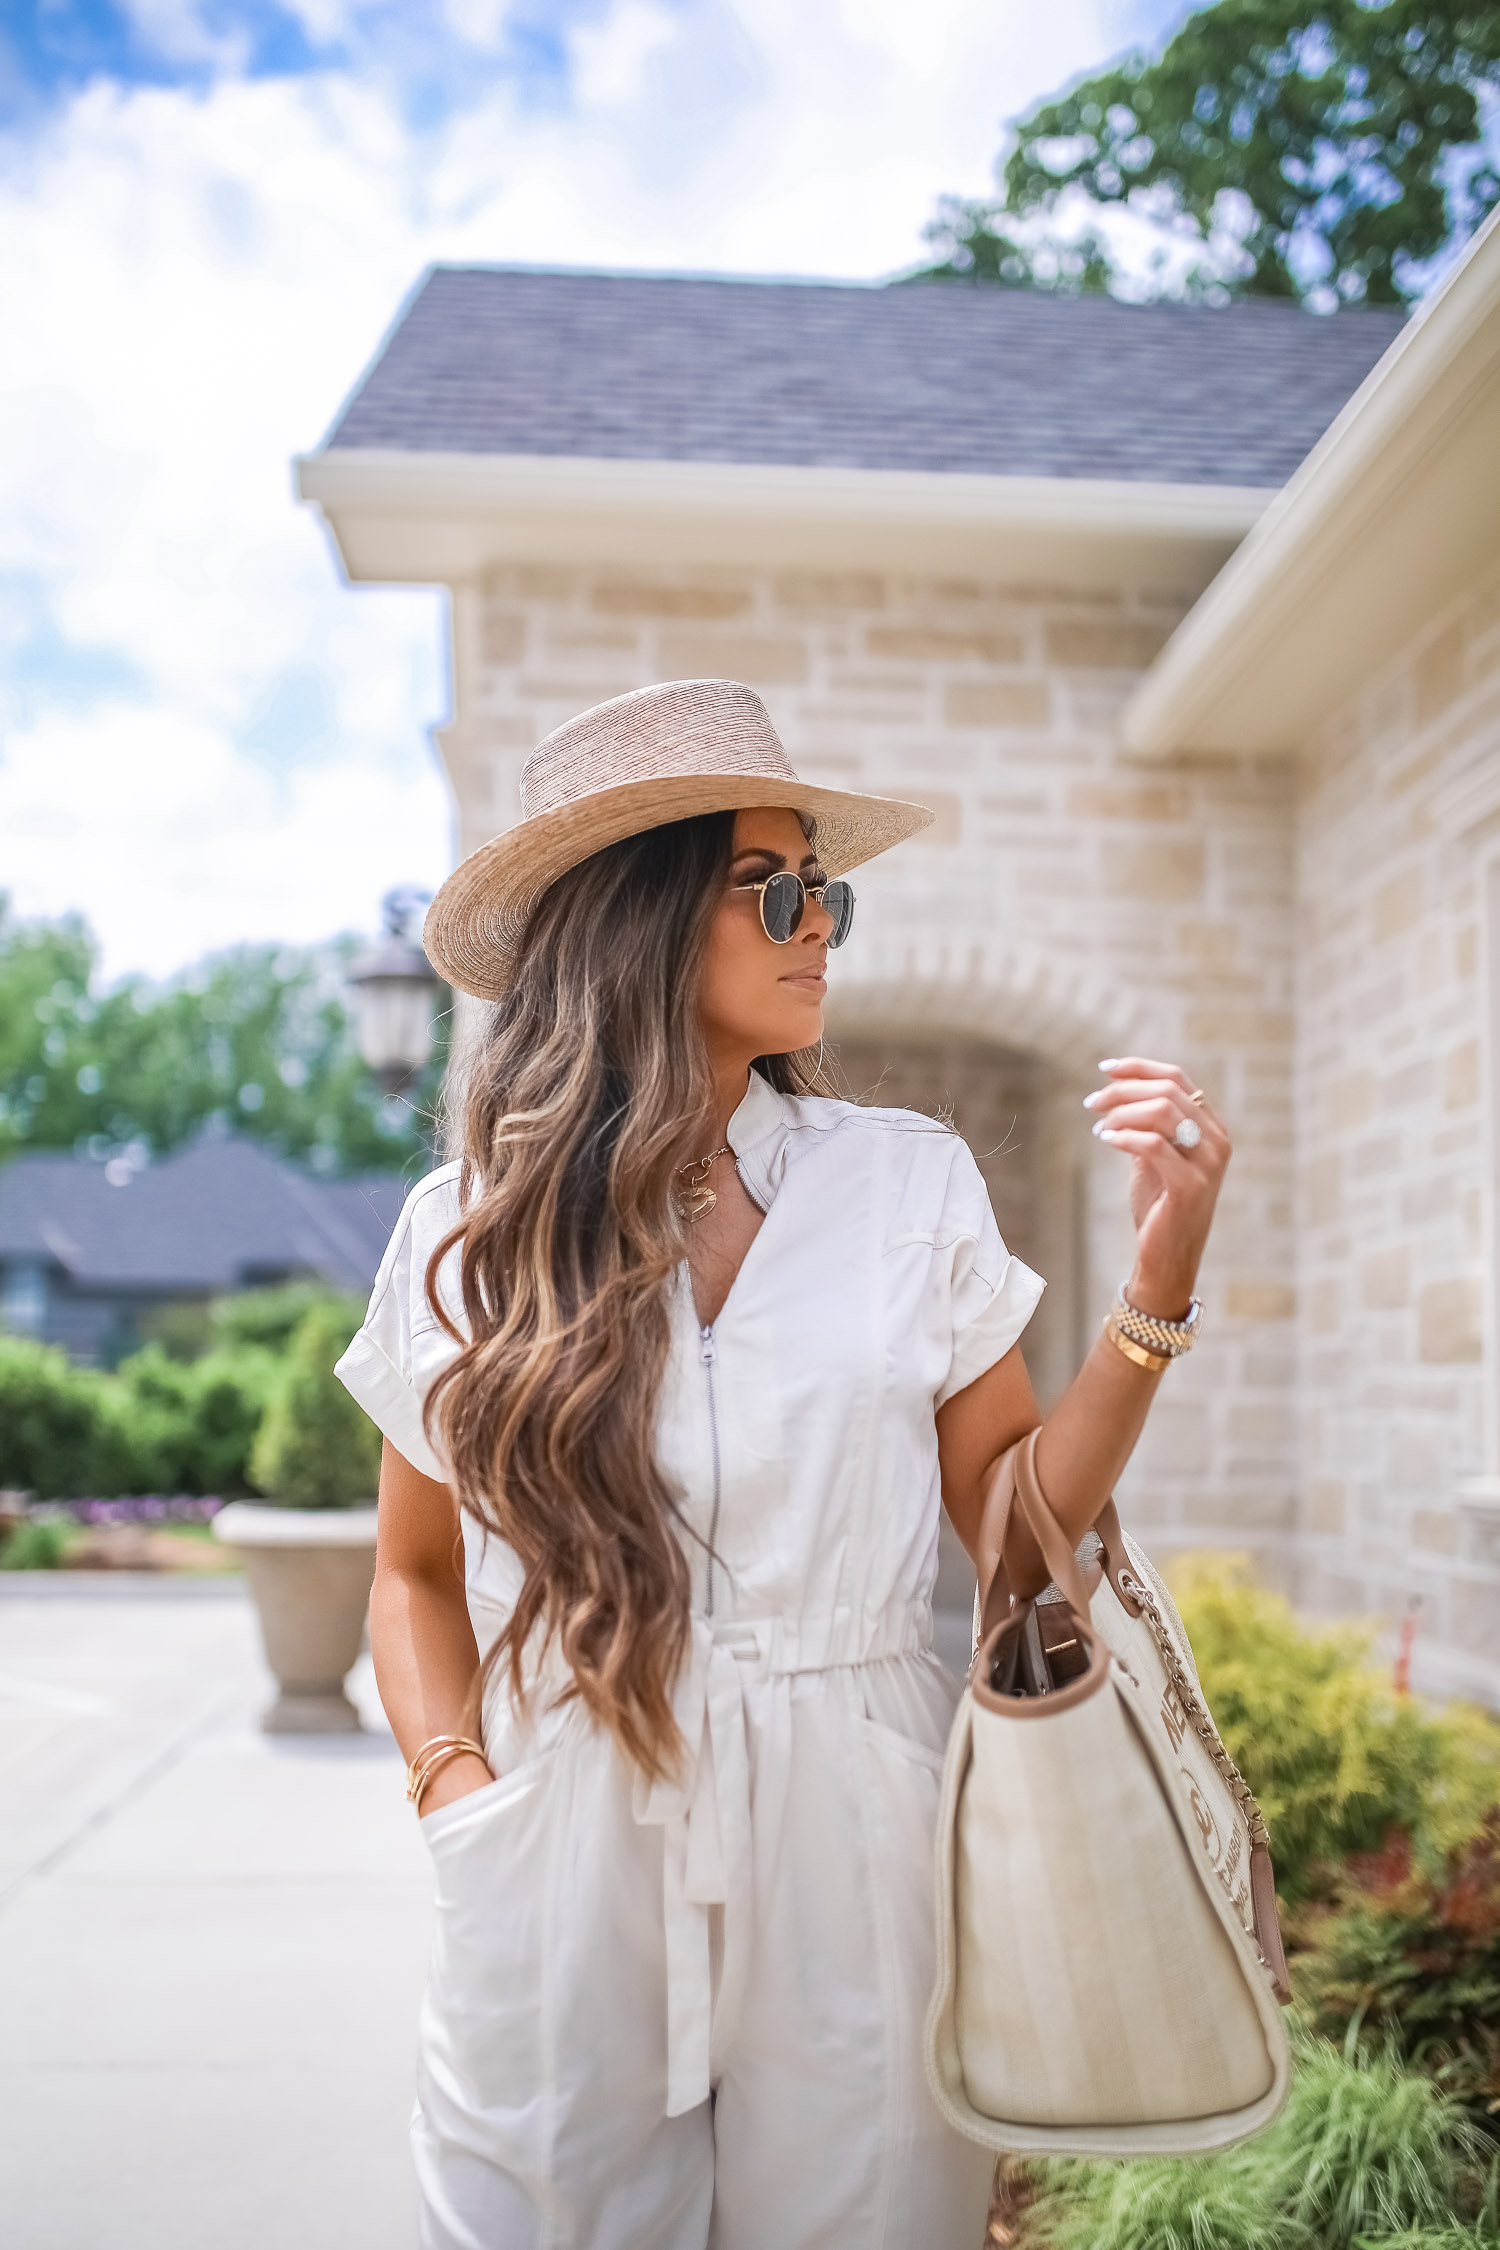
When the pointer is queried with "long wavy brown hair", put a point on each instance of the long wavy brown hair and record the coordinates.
(589, 1092)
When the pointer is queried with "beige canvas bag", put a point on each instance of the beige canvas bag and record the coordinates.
(1109, 1961)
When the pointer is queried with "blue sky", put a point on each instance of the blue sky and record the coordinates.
(209, 212)
(440, 56)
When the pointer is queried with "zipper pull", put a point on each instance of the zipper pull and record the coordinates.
(706, 1353)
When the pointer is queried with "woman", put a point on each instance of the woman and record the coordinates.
(689, 1353)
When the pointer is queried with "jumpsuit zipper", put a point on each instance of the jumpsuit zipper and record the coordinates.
(707, 1355)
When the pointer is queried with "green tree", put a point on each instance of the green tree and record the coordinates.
(1306, 150)
(257, 1040)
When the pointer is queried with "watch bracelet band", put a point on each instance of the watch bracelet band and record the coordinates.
(1172, 1337)
(1153, 1362)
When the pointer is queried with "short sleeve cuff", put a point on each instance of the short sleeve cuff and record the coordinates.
(984, 1341)
(391, 1403)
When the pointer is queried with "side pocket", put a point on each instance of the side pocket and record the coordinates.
(888, 1741)
(906, 1705)
(475, 1808)
(485, 2025)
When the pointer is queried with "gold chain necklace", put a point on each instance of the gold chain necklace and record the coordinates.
(697, 1199)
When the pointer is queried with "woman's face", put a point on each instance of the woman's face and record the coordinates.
(757, 998)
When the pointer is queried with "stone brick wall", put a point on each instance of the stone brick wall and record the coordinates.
(1399, 817)
(1065, 906)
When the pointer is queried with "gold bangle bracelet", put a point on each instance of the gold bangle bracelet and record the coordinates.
(435, 1765)
(432, 1754)
(1153, 1362)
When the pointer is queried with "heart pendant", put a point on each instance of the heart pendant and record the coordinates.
(698, 1201)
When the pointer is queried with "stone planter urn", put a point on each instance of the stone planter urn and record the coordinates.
(310, 1571)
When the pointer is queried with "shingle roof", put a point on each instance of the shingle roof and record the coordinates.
(207, 1219)
(947, 377)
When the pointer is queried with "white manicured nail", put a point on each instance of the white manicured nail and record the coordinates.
(1110, 1062)
(1099, 1128)
(1091, 1101)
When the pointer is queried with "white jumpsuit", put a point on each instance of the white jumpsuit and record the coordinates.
(665, 2017)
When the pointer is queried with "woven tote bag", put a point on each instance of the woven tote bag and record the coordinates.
(1109, 1961)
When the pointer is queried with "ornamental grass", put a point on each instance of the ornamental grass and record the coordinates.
(1366, 2154)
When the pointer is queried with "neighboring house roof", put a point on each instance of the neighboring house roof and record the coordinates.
(207, 1219)
(1394, 513)
(949, 377)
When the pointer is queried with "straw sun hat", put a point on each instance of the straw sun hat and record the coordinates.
(664, 753)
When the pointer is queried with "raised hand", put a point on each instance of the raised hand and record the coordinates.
(1178, 1149)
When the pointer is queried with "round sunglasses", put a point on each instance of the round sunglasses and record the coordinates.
(783, 902)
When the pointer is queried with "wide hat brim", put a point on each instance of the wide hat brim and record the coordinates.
(473, 930)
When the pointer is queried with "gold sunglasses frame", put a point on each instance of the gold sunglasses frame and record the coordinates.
(809, 891)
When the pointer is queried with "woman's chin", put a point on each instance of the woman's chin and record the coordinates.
(796, 1029)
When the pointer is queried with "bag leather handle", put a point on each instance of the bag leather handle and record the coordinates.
(995, 1590)
(1014, 1485)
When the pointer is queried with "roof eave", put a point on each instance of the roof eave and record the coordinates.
(1390, 515)
(447, 518)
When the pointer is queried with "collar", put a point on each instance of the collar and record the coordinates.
(757, 1133)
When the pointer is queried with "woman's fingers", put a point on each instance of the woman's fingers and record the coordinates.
(1156, 1114)
(1124, 1069)
(1174, 1166)
(1163, 1101)
(1163, 1098)
(1141, 1066)
(1143, 1104)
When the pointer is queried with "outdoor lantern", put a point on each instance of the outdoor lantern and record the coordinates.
(394, 984)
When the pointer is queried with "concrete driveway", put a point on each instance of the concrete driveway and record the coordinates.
(211, 1943)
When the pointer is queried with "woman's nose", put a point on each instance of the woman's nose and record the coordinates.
(817, 923)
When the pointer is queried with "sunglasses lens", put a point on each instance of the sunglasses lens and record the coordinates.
(781, 907)
(838, 902)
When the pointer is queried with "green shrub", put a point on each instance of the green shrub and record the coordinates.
(268, 1319)
(315, 1447)
(1412, 1962)
(231, 1391)
(39, 1544)
(56, 1434)
(183, 1330)
(253, 1319)
(1336, 1758)
(162, 1422)
(190, 1427)
(1362, 2151)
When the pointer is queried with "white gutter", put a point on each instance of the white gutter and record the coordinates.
(413, 516)
(1389, 515)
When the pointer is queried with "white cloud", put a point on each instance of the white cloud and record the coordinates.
(150, 810)
(479, 23)
(192, 281)
(609, 58)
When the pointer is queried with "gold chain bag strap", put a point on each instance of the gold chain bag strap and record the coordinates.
(1108, 1958)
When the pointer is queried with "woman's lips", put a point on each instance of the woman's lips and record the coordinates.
(809, 980)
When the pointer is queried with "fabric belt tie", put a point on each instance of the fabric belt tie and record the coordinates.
(705, 1816)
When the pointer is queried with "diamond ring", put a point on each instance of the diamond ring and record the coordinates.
(1189, 1133)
